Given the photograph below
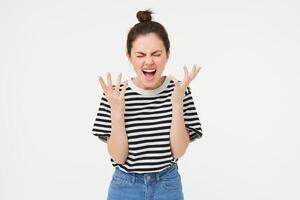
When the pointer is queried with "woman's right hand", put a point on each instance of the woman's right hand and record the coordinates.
(114, 96)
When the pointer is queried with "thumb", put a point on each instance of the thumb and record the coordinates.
(174, 79)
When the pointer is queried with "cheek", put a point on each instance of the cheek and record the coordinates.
(160, 61)
(137, 62)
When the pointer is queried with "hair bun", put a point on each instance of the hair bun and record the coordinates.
(144, 15)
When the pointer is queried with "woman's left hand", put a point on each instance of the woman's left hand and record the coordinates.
(180, 87)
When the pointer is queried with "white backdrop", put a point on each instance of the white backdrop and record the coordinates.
(247, 95)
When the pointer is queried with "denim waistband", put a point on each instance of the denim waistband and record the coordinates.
(146, 177)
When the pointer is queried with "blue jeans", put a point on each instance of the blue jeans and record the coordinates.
(164, 185)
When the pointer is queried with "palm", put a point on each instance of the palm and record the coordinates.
(114, 96)
(180, 87)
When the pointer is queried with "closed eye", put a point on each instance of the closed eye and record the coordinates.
(142, 56)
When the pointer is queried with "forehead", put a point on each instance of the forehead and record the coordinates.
(147, 43)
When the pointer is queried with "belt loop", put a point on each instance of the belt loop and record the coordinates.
(157, 176)
(133, 177)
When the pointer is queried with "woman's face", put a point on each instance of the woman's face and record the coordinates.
(148, 54)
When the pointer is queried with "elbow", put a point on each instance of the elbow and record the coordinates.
(180, 152)
(120, 162)
(178, 155)
(119, 156)
(118, 159)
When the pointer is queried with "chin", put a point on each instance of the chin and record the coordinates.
(150, 83)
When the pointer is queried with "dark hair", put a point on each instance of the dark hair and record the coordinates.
(145, 26)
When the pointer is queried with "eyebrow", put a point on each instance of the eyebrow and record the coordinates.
(152, 52)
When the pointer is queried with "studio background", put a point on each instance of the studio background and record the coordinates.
(247, 95)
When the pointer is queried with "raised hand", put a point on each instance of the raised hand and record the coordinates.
(114, 96)
(180, 87)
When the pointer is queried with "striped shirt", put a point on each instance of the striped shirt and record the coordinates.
(148, 115)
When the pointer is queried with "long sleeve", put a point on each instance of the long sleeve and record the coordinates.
(191, 118)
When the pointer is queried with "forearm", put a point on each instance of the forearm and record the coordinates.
(118, 143)
(179, 136)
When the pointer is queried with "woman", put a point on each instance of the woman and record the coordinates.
(147, 121)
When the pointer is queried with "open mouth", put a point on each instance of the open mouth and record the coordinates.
(149, 74)
(149, 71)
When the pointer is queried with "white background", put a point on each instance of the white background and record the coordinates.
(247, 95)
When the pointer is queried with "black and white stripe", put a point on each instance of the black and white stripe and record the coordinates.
(147, 121)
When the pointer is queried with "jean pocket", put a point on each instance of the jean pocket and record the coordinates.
(170, 174)
(118, 182)
(172, 183)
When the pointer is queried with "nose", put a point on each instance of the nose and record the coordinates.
(148, 60)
